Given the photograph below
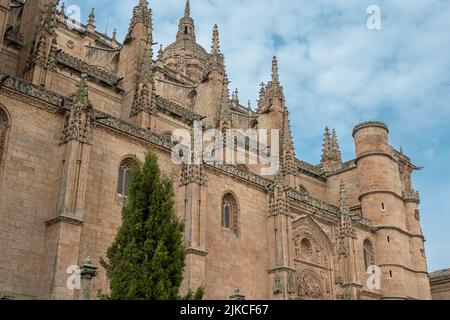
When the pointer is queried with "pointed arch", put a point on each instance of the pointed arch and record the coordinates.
(307, 222)
(313, 260)
(368, 253)
(230, 212)
(127, 164)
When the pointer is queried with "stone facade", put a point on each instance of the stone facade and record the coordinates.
(440, 284)
(77, 108)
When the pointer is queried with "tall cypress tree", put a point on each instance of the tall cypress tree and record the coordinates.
(146, 259)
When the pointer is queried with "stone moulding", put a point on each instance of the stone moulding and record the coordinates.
(197, 252)
(65, 219)
(325, 207)
(130, 129)
(244, 174)
(94, 72)
(411, 196)
(29, 89)
(310, 169)
(61, 103)
(174, 109)
(375, 153)
(363, 125)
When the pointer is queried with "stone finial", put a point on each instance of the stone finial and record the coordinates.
(88, 272)
(90, 27)
(343, 197)
(81, 95)
(215, 41)
(345, 229)
(335, 150)
(275, 75)
(114, 36)
(91, 18)
(187, 9)
(225, 117)
(326, 144)
(237, 294)
(235, 97)
(62, 10)
(78, 120)
(141, 14)
(144, 100)
(186, 27)
(274, 90)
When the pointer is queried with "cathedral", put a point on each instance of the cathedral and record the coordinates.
(79, 109)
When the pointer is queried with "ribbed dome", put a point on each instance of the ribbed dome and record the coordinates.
(192, 50)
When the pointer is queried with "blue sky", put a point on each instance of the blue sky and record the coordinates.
(335, 73)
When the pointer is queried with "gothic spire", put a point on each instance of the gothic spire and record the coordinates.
(145, 92)
(225, 117)
(91, 18)
(335, 150)
(215, 41)
(186, 27)
(142, 14)
(326, 145)
(216, 59)
(275, 76)
(78, 121)
(147, 64)
(274, 89)
(187, 9)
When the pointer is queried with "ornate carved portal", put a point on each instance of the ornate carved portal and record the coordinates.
(312, 260)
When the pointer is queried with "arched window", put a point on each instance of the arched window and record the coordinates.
(4, 125)
(124, 175)
(253, 125)
(369, 254)
(230, 213)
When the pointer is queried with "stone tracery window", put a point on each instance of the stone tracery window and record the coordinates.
(4, 125)
(306, 247)
(124, 175)
(369, 254)
(230, 213)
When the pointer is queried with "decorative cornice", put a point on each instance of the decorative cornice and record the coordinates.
(133, 130)
(325, 207)
(64, 219)
(177, 110)
(280, 269)
(368, 193)
(412, 235)
(197, 252)
(34, 91)
(310, 169)
(244, 174)
(94, 72)
(401, 267)
(367, 124)
(374, 153)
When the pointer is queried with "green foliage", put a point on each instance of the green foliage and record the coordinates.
(146, 259)
(197, 295)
